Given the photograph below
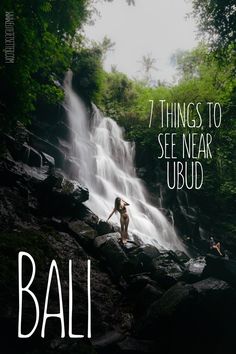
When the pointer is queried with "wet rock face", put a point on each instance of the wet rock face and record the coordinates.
(60, 186)
(221, 268)
(113, 254)
(143, 256)
(61, 196)
(84, 233)
(166, 270)
(194, 269)
(191, 312)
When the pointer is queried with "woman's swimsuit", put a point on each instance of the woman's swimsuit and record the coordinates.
(123, 212)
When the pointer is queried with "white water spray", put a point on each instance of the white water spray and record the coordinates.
(106, 167)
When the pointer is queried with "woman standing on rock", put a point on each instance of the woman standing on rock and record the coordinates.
(120, 206)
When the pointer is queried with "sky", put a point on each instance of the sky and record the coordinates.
(155, 27)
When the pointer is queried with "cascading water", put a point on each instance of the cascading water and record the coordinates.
(106, 167)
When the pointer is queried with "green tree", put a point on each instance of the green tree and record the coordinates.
(148, 66)
(88, 76)
(105, 46)
(217, 21)
(44, 31)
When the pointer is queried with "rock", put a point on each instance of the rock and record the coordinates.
(34, 158)
(21, 133)
(136, 239)
(16, 207)
(14, 173)
(21, 151)
(85, 214)
(180, 256)
(10, 171)
(104, 227)
(47, 147)
(166, 271)
(53, 180)
(59, 224)
(212, 287)
(84, 234)
(108, 339)
(221, 268)
(112, 253)
(137, 282)
(142, 258)
(203, 310)
(61, 196)
(47, 159)
(71, 189)
(99, 241)
(142, 291)
(194, 269)
(145, 297)
(133, 345)
(161, 265)
(130, 246)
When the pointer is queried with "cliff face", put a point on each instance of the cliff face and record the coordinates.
(144, 300)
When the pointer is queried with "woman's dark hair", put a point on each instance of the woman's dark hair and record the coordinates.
(117, 203)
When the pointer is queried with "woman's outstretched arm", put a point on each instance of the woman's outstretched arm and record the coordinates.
(111, 214)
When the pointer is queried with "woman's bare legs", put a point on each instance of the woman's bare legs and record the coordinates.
(126, 227)
(217, 247)
(122, 229)
(124, 222)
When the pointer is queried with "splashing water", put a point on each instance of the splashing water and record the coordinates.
(106, 167)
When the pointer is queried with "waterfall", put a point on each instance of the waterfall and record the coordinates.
(106, 167)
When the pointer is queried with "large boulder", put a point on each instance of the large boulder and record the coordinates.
(137, 282)
(142, 258)
(62, 196)
(83, 233)
(221, 268)
(166, 270)
(102, 227)
(194, 269)
(22, 151)
(105, 342)
(14, 173)
(142, 291)
(72, 190)
(45, 146)
(203, 311)
(112, 253)
(165, 267)
(180, 256)
(34, 158)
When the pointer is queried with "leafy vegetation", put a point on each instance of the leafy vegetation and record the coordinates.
(44, 35)
(217, 21)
